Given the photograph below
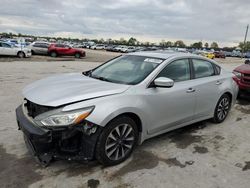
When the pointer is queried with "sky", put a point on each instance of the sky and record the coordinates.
(223, 21)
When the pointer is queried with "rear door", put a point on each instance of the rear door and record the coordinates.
(40, 48)
(207, 82)
(8, 50)
(60, 48)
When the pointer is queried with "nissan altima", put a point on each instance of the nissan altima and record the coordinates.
(102, 114)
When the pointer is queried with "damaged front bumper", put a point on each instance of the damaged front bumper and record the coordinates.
(69, 143)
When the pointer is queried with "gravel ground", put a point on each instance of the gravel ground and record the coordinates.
(200, 155)
(91, 56)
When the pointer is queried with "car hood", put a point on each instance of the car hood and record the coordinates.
(245, 69)
(68, 88)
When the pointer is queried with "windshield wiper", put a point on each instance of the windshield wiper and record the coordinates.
(100, 78)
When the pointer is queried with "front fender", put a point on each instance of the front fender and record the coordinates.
(109, 107)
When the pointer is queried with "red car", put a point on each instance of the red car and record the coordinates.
(55, 50)
(242, 76)
(219, 55)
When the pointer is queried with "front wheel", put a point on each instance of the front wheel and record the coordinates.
(117, 141)
(20, 55)
(222, 109)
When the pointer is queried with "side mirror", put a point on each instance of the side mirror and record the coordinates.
(163, 82)
(247, 61)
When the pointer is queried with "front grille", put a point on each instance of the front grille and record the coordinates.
(246, 80)
(36, 109)
(247, 75)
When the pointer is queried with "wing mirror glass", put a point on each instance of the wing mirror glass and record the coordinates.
(163, 82)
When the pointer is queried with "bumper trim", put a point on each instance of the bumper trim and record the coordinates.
(28, 127)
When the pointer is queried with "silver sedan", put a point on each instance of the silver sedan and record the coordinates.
(103, 113)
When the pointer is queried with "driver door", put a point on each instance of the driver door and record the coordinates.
(171, 107)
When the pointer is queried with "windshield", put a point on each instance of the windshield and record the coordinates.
(130, 69)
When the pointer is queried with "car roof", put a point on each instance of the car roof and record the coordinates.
(163, 54)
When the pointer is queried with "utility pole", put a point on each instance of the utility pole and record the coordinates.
(244, 43)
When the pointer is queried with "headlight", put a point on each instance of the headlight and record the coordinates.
(70, 118)
(237, 74)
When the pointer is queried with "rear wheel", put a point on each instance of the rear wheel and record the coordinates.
(222, 109)
(53, 54)
(20, 54)
(77, 55)
(117, 141)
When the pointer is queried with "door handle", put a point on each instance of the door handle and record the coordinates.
(218, 83)
(190, 90)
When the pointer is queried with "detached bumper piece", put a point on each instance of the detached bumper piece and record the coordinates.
(67, 143)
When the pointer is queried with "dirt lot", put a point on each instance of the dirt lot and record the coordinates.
(91, 56)
(201, 155)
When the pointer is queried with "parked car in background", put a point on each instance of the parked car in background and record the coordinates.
(89, 44)
(236, 53)
(98, 47)
(242, 77)
(128, 49)
(105, 112)
(247, 55)
(55, 50)
(39, 48)
(228, 54)
(118, 48)
(110, 48)
(7, 49)
(209, 55)
(219, 55)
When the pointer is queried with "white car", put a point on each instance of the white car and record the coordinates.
(128, 49)
(11, 50)
(39, 48)
(98, 47)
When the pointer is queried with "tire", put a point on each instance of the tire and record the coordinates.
(222, 109)
(77, 55)
(53, 54)
(21, 54)
(32, 52)
(110, 151)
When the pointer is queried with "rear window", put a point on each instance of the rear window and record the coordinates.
(203, 68)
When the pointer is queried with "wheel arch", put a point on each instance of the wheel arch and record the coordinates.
(136, 118)
(133, 116)
(229, 94)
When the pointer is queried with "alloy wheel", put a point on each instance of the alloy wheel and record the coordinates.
(223, 108)
(119, 142)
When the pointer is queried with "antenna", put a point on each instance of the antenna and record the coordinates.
(244, 43)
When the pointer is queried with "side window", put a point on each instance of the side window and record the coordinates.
(178, 70)
(44, 45)
(60, 46)
(6, 45)
(37, 45)
(0, 44)
(203, 68)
